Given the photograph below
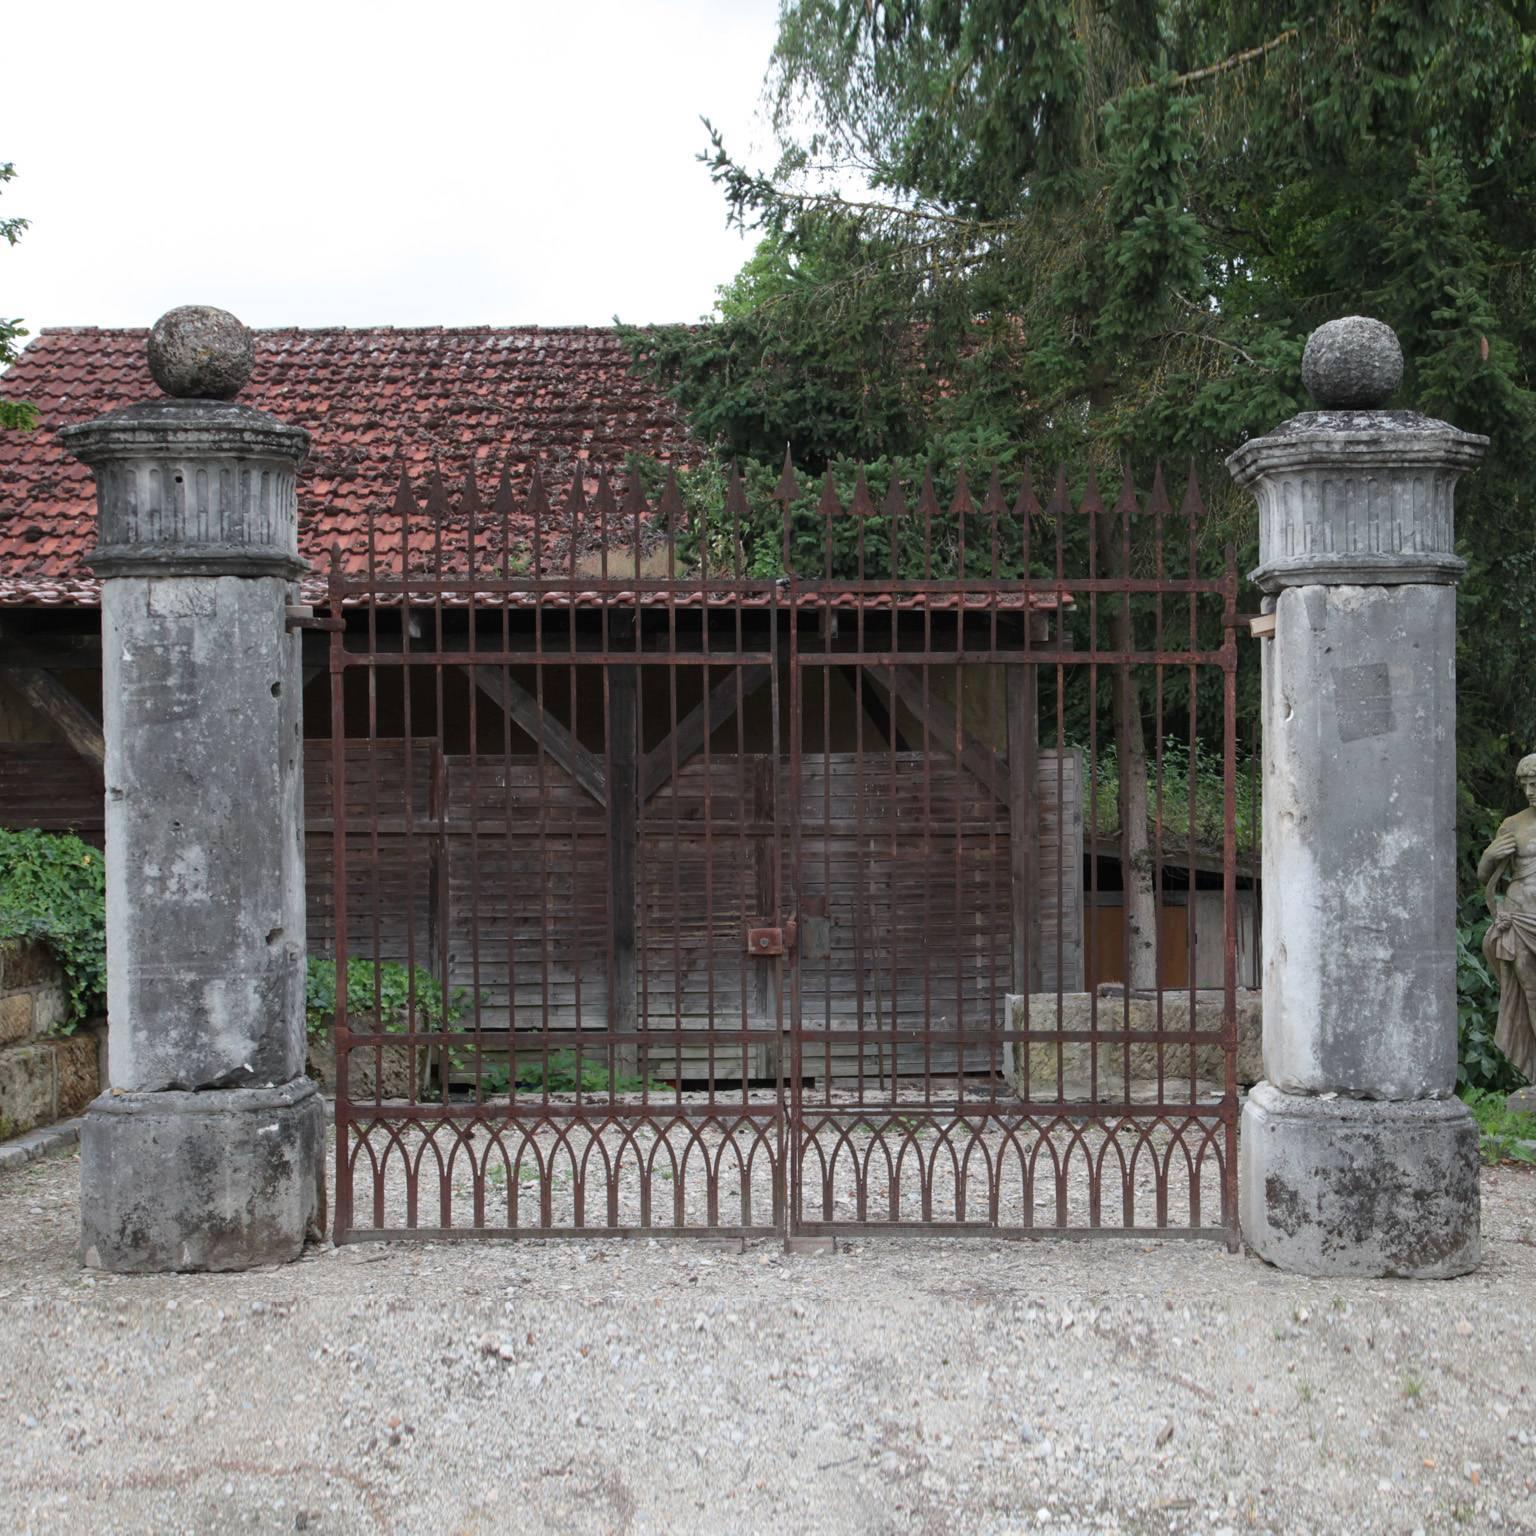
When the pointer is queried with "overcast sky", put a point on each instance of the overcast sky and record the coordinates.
(340, 163)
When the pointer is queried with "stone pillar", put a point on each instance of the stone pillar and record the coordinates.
(206, 1153)
(1355, 1158)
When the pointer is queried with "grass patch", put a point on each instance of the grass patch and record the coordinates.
(1507, 1137)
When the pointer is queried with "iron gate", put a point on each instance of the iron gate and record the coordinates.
(668, 895)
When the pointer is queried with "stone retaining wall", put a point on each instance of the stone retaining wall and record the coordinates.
(42, 1078)
(1039, 1084)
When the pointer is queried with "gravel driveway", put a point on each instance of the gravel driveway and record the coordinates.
(659, 1386)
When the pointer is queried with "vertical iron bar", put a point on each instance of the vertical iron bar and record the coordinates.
(1229, 895)
(340, 1026)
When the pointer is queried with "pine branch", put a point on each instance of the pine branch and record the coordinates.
(1236, 61)
(851, 205)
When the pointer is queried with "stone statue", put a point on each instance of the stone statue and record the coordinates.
(1510, 943)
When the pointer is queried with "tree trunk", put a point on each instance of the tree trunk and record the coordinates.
(1136, 871)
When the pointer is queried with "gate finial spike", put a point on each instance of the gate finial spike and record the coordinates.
(501, 514)
(1092, 503)
(829, 505)
(862, 504)
(735, 493)
(605, 513)
(573, 512)
(633, 509)
(470, 508)
(928, 497)
(961, 501)
(604, 507)
(788, 488)
(1192, 508)
(405, 496)
(469, 500)
(1026, 505)
(670, 508)
(1157, 503)
(536, 509)
(992, 502)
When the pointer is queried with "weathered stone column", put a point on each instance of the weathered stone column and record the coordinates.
(206, 1153)
(1355, 1158)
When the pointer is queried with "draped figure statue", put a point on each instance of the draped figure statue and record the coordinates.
(1509, 946)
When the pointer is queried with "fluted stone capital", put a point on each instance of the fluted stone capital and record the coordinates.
(193, 487)
(1354, 494)
(1356, 498)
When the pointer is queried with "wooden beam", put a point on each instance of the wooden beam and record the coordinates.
(938, 719)
(51, 699)
(874, 707)
(52, 653)
(523, 707)
(698, 725)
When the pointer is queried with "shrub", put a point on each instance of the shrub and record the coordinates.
(1506, 1135)
(53, 889)
(381, 990)
(559, 1074)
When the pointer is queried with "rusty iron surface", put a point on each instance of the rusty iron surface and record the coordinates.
(708, 890)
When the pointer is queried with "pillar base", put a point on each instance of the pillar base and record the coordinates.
(220, 1180)
(1362, 1187)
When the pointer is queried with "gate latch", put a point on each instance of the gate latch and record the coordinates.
(764, 942)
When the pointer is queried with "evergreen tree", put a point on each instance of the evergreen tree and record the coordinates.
(13, 413)
(1100, 233)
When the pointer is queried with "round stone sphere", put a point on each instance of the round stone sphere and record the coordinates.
(197, 352)
(1352, 364)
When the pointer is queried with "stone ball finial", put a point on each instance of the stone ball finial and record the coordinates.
(197, 352)
(1352, 364)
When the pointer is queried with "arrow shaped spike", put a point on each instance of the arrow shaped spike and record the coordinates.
(788, 488)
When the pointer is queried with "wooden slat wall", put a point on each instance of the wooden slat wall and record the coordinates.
(50, 786)
(913, 857)
(911, 932)
(698, 897)
(391, 848)
(527, 894)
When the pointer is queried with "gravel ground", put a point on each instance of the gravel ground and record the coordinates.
(938, 1385)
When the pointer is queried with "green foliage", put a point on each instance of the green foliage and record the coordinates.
(53, 888)
(1172, 782)
(15, 415)
(1481, 1065)
(383, 991)
(1506, 1136)
(558, 1073)
(1097, 232)
(553, 1072)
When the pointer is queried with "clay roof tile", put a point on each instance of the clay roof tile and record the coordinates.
(369, 397)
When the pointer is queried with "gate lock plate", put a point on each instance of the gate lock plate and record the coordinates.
(764, 942)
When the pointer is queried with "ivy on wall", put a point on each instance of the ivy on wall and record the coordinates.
(53, 889)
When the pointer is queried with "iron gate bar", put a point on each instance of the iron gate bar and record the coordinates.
(926, 959)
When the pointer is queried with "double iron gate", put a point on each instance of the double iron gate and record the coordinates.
(670, 896)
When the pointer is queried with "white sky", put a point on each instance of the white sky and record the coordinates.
(342, 163)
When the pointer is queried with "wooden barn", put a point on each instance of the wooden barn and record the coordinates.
(531, 828)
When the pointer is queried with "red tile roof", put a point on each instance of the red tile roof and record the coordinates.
(370, 398)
